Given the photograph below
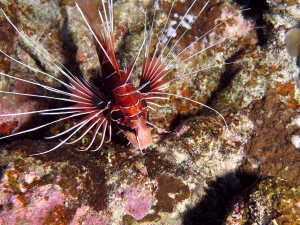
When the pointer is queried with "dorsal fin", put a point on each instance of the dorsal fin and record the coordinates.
(100, 25)
(153, 70)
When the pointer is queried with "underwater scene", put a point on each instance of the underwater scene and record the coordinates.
(149, 112)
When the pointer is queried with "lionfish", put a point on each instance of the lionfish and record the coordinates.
(118, 101)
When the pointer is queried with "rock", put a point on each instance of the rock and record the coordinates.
(270, 201)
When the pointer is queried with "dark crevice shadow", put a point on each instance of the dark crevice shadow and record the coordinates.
(230, 72)
(2, 168)
(211, 209)
(226, 78)
(69, 50)
(256, 10)
(70, 63)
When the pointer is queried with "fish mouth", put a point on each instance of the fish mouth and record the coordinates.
(139, 136)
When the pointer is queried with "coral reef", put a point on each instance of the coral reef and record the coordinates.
(271, 151)
(270, 201)
(187, 176)
(41, 192)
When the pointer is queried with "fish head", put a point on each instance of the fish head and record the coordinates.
(139, 134)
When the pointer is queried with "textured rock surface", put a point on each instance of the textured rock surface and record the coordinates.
(187, 176)
(270, 201)
(271, 151)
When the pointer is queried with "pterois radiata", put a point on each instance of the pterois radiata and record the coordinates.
(117, 101)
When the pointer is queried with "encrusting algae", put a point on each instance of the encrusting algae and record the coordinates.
(187, 176)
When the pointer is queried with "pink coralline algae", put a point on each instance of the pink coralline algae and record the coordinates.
(16, 104)
(137, 202)
(29, 207)
(27, 198)
(83, 215)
